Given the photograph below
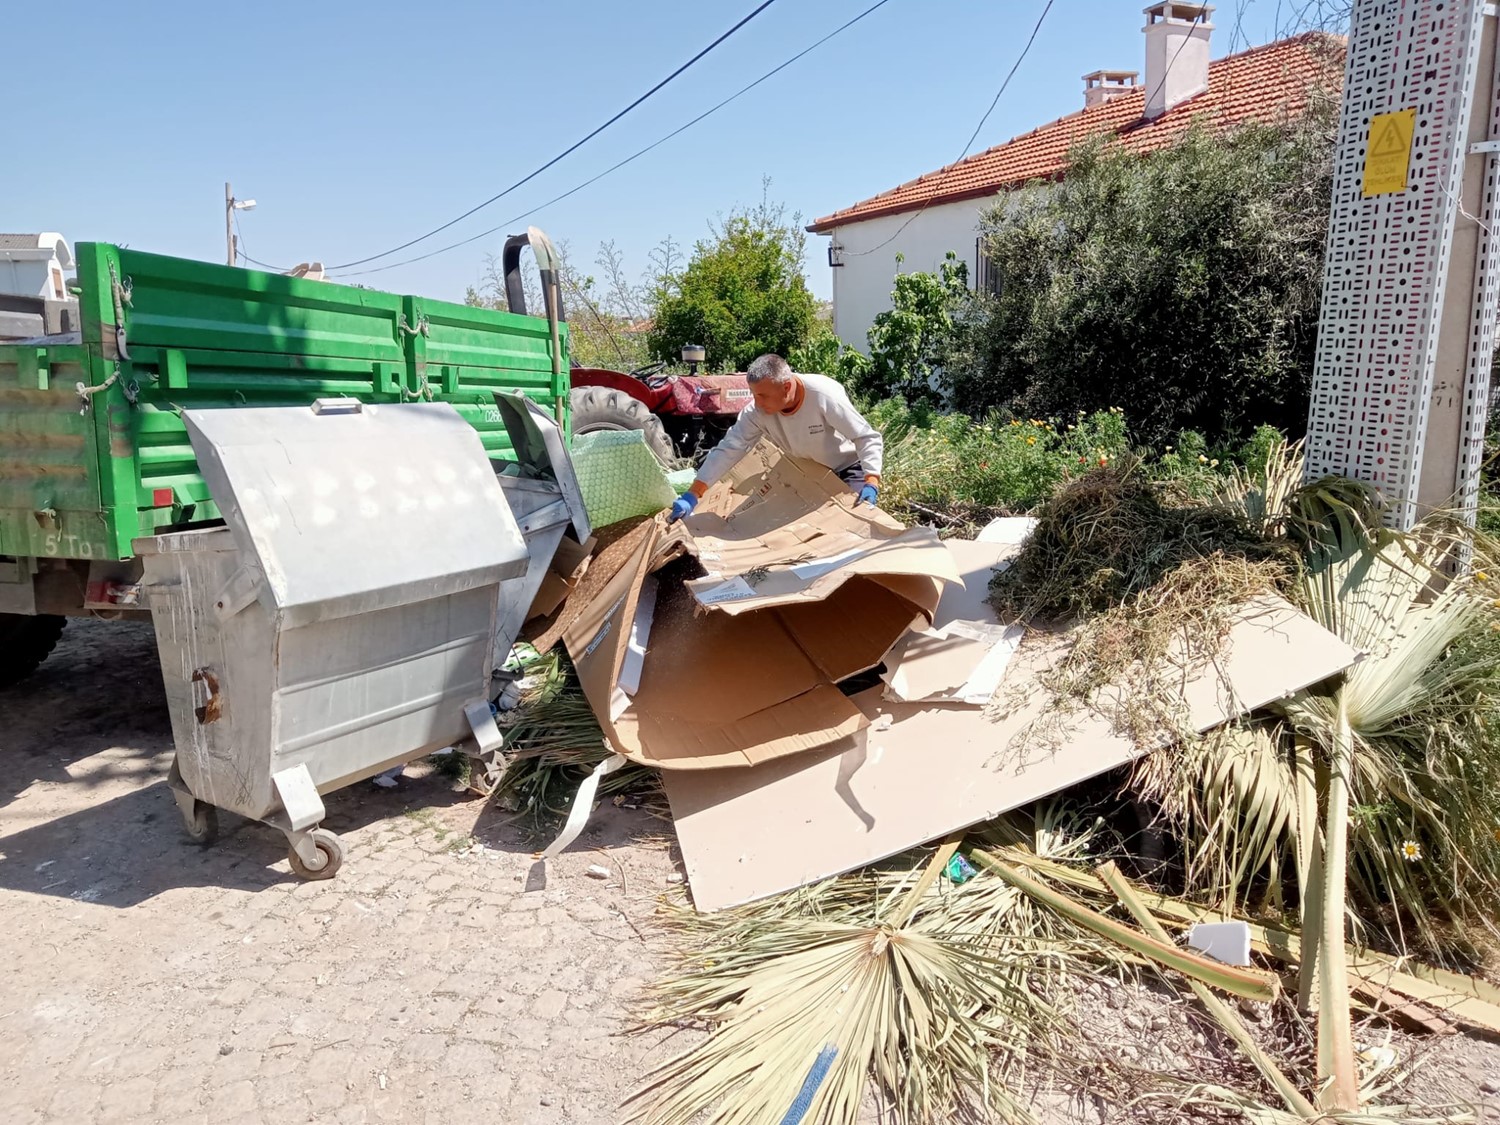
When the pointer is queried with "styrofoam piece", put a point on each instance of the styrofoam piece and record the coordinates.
(1223, 941)
(1007, 529)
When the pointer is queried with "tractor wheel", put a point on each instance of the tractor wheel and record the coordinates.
(604, 408)
(25, 641)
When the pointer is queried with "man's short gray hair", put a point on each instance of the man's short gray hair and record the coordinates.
(768, 367)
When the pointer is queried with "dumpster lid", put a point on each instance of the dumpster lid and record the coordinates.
(350, 507)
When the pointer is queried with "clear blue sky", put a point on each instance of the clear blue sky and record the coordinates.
(356, 126)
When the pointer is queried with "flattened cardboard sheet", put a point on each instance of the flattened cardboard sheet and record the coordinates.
(921, 771)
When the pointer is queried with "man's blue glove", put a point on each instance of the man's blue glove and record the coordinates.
(868, 495)
(682, 506)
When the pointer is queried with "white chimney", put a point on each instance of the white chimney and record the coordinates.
(1176, 54)
(1105, 85)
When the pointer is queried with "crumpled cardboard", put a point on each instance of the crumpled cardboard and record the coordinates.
(799, 590)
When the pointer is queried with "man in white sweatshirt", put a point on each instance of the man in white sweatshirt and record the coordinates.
(807, 416)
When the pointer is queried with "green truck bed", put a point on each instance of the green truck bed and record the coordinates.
(93, 453)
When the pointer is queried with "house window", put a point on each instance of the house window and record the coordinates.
(986, 273)
(57, 284)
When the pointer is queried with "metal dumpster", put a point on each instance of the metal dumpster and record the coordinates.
(341, 621)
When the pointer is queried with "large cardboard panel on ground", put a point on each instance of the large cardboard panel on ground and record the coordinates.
(795, 589)
(917, 771)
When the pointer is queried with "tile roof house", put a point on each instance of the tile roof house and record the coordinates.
(925, 218)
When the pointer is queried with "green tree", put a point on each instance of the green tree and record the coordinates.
(741, 294)
(1184, 286)
(914, 341)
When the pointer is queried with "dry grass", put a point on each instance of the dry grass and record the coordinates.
(1111, 536)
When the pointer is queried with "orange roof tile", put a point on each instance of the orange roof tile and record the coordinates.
(1265, 84)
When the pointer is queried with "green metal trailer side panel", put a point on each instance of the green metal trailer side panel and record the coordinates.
(49, 464)
(83, 480)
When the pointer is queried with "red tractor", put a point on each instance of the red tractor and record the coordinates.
(682, 416)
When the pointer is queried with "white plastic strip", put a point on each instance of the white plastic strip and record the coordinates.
(583, 804)
(984, 681)
(640, 636)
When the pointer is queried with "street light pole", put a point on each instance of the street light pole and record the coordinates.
(229, 223)
(231, 205)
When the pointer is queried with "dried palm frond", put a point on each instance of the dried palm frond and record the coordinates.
(1262, 497)
(1423, 773)
(552, 741)
(937, 1003)
(899, 1006)
(1236, 800)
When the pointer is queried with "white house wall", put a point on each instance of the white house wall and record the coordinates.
(862, 285)
(33, 277)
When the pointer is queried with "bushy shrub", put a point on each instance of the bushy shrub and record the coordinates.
(1184, 285)
(950, 467)
(913, 343)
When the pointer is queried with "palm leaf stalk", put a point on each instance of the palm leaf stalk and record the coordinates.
(1233, 1026)
(1238, 982)
(1335, 1034)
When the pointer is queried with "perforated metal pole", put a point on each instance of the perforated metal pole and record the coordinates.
(1406, 335)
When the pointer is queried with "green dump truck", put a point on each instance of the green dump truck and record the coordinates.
(94, 455)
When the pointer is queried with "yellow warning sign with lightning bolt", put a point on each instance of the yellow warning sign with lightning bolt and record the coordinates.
(1388, 156)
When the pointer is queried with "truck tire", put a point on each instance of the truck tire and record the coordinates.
(25, 641)
(604, 408)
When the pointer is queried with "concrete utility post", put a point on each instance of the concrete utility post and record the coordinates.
(1401, 383)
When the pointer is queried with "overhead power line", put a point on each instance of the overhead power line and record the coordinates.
(634, 156)
(972, 136)
(565, 152)
(239, 244)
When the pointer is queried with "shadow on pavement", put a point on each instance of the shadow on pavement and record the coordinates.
(131, 848)
(100, 689)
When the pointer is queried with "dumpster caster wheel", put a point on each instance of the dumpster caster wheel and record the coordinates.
(329, 846)
(202, 824)
(484, 776)
(480, 784)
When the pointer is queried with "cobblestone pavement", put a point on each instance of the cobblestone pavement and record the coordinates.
(145, 979)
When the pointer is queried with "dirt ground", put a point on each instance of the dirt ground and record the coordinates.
(434, 980)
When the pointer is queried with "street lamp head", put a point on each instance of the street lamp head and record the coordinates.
(244, 205)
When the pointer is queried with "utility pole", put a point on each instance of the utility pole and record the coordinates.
(229, 223)
(1401, 383)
